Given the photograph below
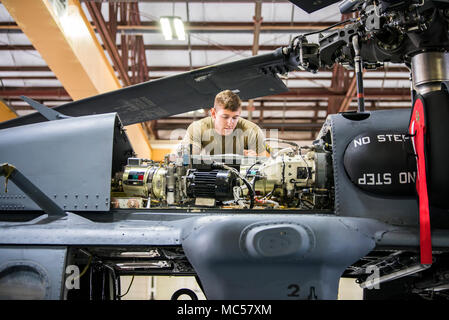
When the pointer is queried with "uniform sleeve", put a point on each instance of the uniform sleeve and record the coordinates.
(193, 136)
(256, 140)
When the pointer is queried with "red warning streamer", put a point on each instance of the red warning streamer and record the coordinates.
(417, 129)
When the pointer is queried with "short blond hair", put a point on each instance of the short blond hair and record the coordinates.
(229, 100)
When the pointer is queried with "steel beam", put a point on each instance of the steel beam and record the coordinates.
(349, 95)
(206, 27)
(108, 40)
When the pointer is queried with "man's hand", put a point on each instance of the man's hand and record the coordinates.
(250, 153)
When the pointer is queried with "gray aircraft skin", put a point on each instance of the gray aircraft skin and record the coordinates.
(57, 165)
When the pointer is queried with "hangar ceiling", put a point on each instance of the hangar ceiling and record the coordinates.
(217, 32)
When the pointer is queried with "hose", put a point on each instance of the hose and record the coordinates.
(218, 165)
(282, 151)
(132, 280)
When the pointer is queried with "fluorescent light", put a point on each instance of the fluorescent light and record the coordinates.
(179, 28)
(172, 27)
(166, 28)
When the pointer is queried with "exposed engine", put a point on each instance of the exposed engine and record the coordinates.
(294, 177)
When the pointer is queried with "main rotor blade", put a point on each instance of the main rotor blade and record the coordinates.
(251, 77)
(311, 6)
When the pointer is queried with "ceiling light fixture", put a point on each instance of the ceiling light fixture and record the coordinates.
(172, 28)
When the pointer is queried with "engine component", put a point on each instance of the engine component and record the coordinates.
(216, 184)
(288, 179)
(295, 178)
(145, 181)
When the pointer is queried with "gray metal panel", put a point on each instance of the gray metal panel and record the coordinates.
(271, 265)
(70, 160)
(351, 200)
(122, 229)
(161, 228)
(28, 270)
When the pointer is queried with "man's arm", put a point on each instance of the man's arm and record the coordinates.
(256, 144)
(193, 137)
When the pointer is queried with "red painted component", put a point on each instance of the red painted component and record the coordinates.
(418, 128)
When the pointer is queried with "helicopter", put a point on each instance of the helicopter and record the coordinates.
(366, 200)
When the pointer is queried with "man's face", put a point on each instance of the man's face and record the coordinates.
(225, 120)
